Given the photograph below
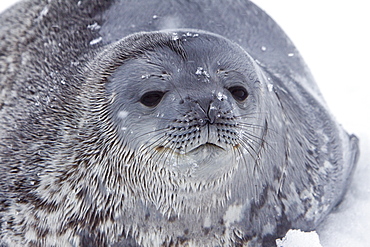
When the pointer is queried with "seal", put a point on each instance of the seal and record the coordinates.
(130, 123)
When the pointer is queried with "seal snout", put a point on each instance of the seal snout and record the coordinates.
(209, 122)
(209, 112)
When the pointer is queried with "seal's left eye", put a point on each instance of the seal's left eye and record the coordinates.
(151, 99)
(239, 93)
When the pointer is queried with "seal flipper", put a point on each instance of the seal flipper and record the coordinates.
(352, 159)
(354, 150)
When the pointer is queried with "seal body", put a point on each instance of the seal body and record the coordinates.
(136, 123)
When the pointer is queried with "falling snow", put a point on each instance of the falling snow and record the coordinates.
(349, 224)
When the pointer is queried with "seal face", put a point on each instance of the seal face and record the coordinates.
(195, 120)
(191, 131)
(115, 132)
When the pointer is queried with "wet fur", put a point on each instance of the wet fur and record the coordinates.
(66, 172)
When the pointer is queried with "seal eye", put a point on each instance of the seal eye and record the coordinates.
(151, 99)
(239, 93)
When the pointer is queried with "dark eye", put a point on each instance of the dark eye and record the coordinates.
(151, 99)
(239, 93)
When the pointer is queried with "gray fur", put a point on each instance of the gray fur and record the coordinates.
(85, 163)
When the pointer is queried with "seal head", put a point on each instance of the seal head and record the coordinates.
(193, 105)
(189, 108)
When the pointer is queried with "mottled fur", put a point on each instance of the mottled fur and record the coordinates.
(71, 174)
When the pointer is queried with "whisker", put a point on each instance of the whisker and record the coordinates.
(251, 114)
(150, 132)
(244, 126)
(248, 147)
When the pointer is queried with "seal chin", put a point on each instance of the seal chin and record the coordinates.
(206, 161)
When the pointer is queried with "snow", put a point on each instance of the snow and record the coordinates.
(333, 38)
(95, 26)
(4, 5)
(201, 71)
(96, 41)
(296, 238)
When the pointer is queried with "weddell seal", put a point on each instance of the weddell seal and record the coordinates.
(160, 123)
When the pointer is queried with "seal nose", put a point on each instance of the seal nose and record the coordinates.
(209, 111)
(212, 113)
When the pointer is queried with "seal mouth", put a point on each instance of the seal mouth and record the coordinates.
(207, 147)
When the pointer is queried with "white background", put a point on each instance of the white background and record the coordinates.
(334, 39)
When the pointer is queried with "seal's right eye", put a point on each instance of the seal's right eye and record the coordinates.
(239, 93)
(151, 99)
